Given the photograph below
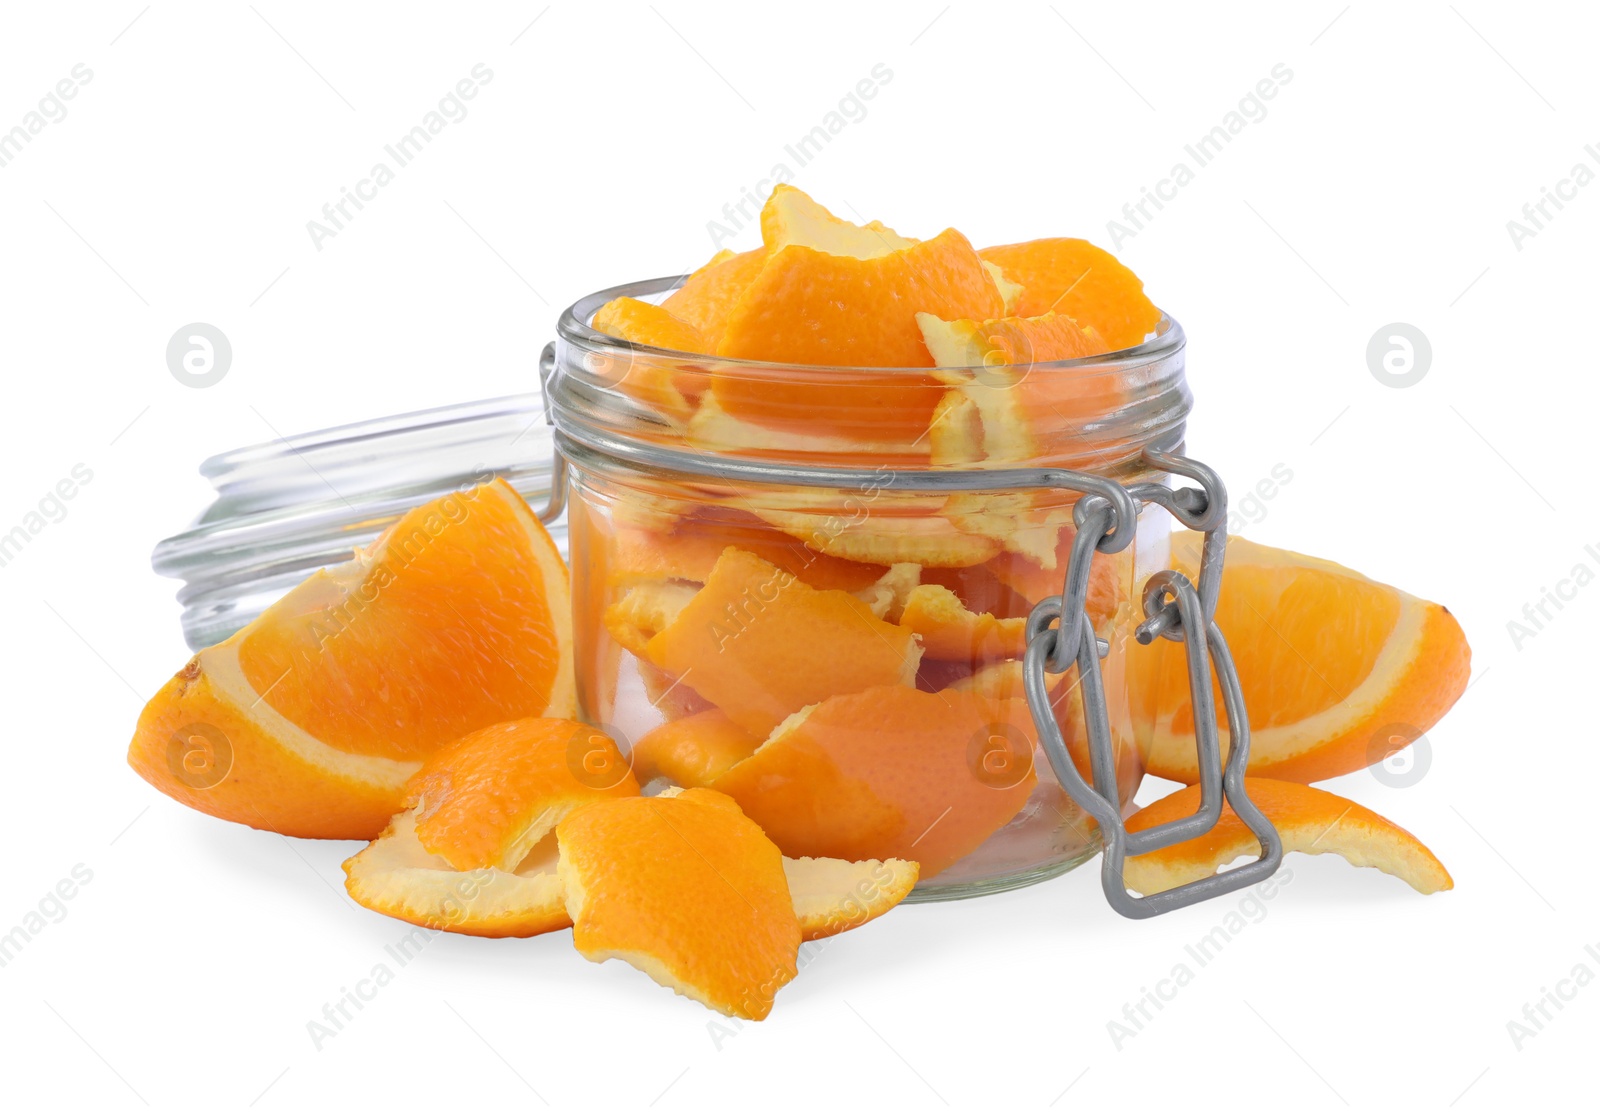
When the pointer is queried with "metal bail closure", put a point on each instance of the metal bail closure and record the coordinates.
(1060, 636)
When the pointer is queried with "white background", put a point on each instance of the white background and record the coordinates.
(1377, 189)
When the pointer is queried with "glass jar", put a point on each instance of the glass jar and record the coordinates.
(842, 656)
(287, 508)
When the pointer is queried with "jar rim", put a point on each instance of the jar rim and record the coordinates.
(1131, 399)
(573, 326)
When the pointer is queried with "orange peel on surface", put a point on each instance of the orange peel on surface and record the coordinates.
(831, 896)
(760, 644)
(687, 890)
(1308, 819)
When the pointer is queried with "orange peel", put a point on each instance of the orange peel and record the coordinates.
(749, 642)
(687, 890)
(1075, 278)
(1308, 819)
(887, 772)
(831, 896)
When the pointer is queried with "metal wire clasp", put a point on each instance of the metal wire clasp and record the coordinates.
(1060, 636)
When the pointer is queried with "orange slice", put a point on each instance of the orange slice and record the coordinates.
(395, 876)
(692, 751)
(835, 295)
(1338, 671)
(760, 644)
(1309, 820)
(310, 720)
(1078, 279)
(709, 294)
(949, 631)
(887, 772)
(484, 801)
(832, 896)
(687, 890)
(656, 380)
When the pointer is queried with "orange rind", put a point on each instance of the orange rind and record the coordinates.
(832, 896)
(654, 379)
(1075, 278)
(692, 751)
(1309, 820)
(888, 772)
(485, 800)
(1338, 671)
(397, 877)
(685, 889)
(310, 720)
(949, 631)
(760, 644)
(709, 294)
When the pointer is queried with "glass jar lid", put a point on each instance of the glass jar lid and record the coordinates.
(289, 507)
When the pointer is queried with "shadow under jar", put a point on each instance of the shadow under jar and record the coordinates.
(778, 592)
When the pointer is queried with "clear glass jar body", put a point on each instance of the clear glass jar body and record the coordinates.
(842, 656)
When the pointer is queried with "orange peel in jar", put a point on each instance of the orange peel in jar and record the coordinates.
(760, 644)
(692, 751)
(887, 772)
(709, 294)
(653, 379)
(1075, 278)
(843, 298)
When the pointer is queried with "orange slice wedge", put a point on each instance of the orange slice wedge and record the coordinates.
(1078, 279)
(760, 644)
(709, 294)
(1309, 820)
(888, 772)
(1338, 671)
(310, 720)
(687, 890)
(832, 896)
(692, 751)
(484, 801)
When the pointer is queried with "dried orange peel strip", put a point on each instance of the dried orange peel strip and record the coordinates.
(690, 550)
(484, 801)
(760, 644)
(1308, 819)
(1338, 670)
(310, 720)
(687, 890)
